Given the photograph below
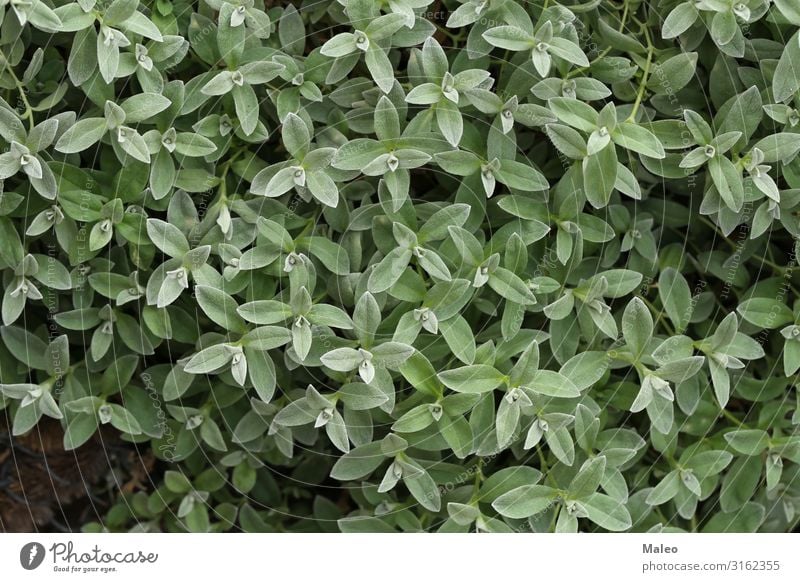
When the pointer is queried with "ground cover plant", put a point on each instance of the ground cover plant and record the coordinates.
(400, 265)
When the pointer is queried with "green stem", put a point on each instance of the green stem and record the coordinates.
(21, 90)
(226, 167)
(624, 19)
(731, 417)
(555, 518)
(478, 480)
(309, 226)
(774, 266)
(545, 468)
(455, 38)
(645, 76)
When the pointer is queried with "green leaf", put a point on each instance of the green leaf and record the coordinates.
(638, 139)
(621, 282)
(458, 335)
(389, 270)
(786, 80)
(295, 136)
(511, 287)
(637, 326)
(789, 10)
(567, 140)
(588, 479)
(724, 27)
(79, 431)
(552, 384)
(342, 359)
(708, 463)
(84, 134)
(676, 298)
(267, 337)
(385, 26)
(193, 145)
(574, 113)
(509, 37)
(220, 307)
(728, 181)
(425, 94)
(436, 227)
(246, 102)
(340, 45)
(524, 501)
(167, 238)
(449, 121)
(292, 31)
(559, 440)
(585, 369)
(209, 359)
(419, 372)
(423, 488)
(387, 122)
(323, 188)
(124, 421)
(143, 106)
(379, 67)
(749, 442)
(392, 354)
(673, 74)
(679, 20)
(666, 489)
(521, 176)
(600, 176)
(414, 420)
(475, 379)
(742, 113)
(747, 518)
(458, 162)
(765, 312)
(607, 512)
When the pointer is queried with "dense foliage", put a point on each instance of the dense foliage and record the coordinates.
(404, 265)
